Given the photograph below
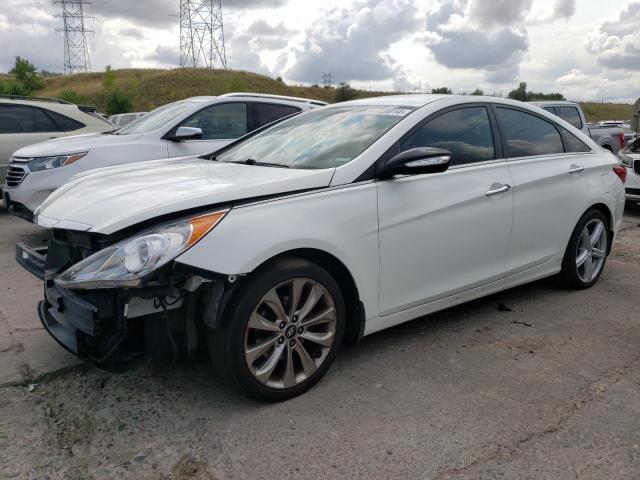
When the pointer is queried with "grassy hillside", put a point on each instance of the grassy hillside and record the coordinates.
(151, 88)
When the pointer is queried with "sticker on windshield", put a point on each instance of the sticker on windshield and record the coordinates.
(394, 111)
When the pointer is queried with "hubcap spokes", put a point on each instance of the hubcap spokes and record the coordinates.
(290, 333)
(591, 252)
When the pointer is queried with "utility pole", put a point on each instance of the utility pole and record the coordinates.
(202, 34)
(76, 50)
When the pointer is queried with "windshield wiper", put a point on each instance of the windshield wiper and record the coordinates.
(251, 161)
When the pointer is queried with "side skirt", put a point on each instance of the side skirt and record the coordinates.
(380, 323)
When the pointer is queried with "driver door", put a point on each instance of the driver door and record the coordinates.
(220, 123)
(444, 233)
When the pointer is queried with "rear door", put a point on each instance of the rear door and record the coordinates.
(445, 233)
(550, 168)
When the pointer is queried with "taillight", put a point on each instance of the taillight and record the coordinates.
(621, 172)
(621, 138)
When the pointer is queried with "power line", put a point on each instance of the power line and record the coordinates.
(202, 34)
(76, 49)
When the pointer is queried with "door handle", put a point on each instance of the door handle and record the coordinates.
(496, 189)
(576, 169)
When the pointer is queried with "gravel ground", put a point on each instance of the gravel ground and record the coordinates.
(533, 383)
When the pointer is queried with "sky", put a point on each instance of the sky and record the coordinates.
(585, 49)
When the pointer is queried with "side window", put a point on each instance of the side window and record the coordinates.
(527, 135)
(222, 121)
(17, 119)
(65, 123)
(572, 143)
(270, 112)
(465, 132)
(571, 115)
(44, 123)
(550, 110)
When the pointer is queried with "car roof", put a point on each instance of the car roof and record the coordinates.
(244, 95)
(553, 102)
(39, 101)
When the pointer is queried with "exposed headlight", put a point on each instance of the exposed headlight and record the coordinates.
(47, 163)
(125, 263)
(626, 159)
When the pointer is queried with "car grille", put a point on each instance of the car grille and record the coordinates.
(16, 174)
(636, 166)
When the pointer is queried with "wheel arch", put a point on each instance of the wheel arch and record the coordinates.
(356, 319)
(606, 211)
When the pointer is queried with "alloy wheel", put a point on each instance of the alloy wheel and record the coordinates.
(591, 251)
(290, 333)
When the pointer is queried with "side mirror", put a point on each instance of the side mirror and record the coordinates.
(416, 161)
(186, 133)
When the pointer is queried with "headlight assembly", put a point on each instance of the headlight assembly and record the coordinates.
(125, 263)
(47, 163)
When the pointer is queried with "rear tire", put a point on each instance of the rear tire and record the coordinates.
(272, 347)
(586, 253)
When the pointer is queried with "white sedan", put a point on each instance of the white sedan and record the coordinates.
(320, 229)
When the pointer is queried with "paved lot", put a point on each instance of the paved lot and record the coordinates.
(534, 383)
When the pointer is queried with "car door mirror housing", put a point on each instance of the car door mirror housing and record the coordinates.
(186, 133)
(417, 161)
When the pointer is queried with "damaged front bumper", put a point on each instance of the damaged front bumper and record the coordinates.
(165, 318)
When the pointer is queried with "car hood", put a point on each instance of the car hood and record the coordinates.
(73, 144)
(111, 199)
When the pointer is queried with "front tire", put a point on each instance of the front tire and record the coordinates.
(281, 332)
(586, 253)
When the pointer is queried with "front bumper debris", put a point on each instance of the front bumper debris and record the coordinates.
(162, 319)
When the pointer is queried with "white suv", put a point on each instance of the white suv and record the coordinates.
(27, 120)
(193, 126)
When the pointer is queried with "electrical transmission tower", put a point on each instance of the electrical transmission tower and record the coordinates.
(326, 79)
(202, 34)
(76, 50)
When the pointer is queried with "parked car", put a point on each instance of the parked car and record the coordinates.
(322, 228)
(27, 120)
(189, 127)
(611, 138)
(630, 157)
(123, 119)
(625, 125)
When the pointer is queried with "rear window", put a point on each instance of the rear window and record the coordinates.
(270, 112)
(571, 115)
(44, 122)
(527, 135)
(17, 119)
(65, 123)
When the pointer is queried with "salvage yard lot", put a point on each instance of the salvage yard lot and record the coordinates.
(535, 382)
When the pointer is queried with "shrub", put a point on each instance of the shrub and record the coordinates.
(13, 87)
(445, 90)
(344, 92)
(71, 96)
(118, 102)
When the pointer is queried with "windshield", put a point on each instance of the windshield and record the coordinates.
(156, 119)
(322, 138)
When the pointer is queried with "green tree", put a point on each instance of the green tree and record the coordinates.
(109, 78)
(344, 92)
(71, 96)
(118, 102)
(27, 74)
(477, 91)
(520, 93)
(444, 90)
